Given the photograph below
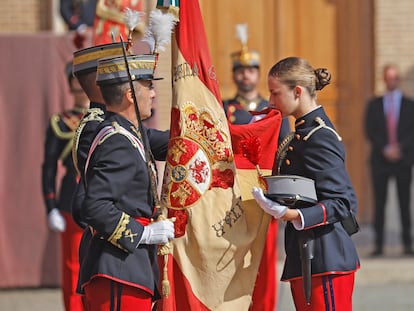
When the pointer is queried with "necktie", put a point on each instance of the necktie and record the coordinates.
(391, 120)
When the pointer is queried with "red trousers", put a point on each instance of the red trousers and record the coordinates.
(331, 292)
(102, 294)
(70, 240)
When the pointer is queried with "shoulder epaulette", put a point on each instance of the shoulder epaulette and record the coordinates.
(71, 119)
(62, 135)
(93, 114)
(54, 123)
(321, 124)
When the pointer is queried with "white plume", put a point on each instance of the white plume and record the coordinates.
(241, 33)
(158, 32)
(132, 18)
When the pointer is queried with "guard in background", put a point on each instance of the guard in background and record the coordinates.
(58, 146)
(246, 77)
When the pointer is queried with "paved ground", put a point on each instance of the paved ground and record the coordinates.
(382, 284)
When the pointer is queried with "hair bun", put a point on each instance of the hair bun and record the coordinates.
(323, 78)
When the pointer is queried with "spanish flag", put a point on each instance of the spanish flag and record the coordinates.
(210, 170)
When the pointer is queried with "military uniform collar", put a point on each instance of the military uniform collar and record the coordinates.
(309, 118)
(97, 105)
(121, 120)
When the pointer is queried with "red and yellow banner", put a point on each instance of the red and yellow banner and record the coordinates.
(220, 230)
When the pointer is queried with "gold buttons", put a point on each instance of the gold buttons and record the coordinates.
(297, 136)
(290, 148)
(287, 161)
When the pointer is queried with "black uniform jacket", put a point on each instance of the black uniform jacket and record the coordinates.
(376, 131)
(236, 112)
(316, 152)
(118, 191)
(83, 139)
(59, 136)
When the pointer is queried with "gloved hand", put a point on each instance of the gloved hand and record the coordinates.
(159, 232)
(270, 207)
(56, 221)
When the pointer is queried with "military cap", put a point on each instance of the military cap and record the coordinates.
(86, 60)
(113, 70)
(291, 190)
(245, 57)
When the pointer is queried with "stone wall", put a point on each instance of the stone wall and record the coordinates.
(394, 40)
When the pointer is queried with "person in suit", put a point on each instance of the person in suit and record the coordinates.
(120, 266)
(388, 120)
(314, 151)
(57, 147)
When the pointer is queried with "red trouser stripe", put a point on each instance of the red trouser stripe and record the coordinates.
(332, 292)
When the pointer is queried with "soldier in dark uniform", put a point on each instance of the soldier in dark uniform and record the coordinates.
(120, 264)
(314, 151)
(246, 76)
(58, 146)
(85, 62)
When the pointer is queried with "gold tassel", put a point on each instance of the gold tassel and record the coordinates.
(165, 280)
(165, 250)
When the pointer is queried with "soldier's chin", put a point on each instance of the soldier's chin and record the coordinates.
(148, 115)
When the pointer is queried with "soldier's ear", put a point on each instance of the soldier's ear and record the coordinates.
(297, 91)
(128, 95)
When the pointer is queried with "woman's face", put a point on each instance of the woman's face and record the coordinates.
(282, 97)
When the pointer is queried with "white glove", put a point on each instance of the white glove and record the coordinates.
(270, 207)
(159, 232)
(56, 221)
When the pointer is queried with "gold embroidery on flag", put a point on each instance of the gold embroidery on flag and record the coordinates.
(203, 144)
